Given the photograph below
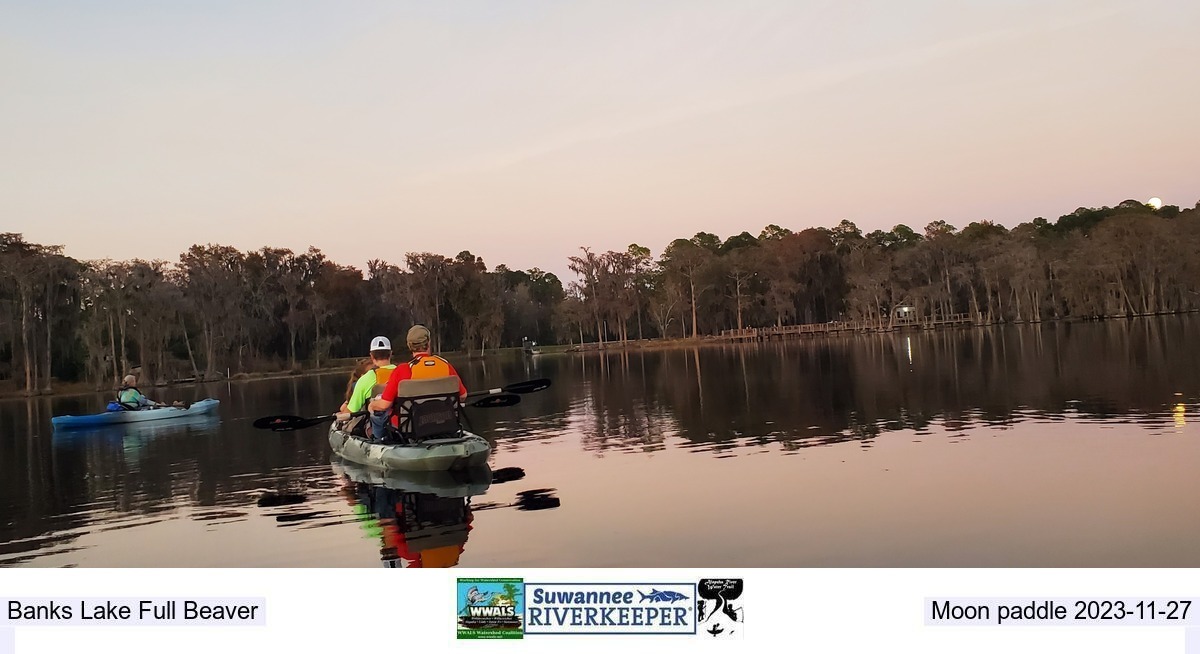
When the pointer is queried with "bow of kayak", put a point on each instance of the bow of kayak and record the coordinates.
(122, 417)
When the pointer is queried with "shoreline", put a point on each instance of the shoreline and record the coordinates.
(67, 389)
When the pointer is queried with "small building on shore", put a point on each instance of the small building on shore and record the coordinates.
(904, 314)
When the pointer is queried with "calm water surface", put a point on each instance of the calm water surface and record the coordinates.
(1059, 445)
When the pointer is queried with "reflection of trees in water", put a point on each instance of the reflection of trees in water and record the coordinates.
(59, 483)
(853, 388)
(621, 412)
(608, 403)
(622, 408)
(790, 395)
(30, 495)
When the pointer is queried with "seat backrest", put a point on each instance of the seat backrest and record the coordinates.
(427, 408)
(421, 387)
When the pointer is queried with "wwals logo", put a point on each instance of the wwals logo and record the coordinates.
(490, 608)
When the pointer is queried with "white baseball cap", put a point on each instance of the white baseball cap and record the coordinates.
(380, 343)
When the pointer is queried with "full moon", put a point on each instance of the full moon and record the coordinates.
(1155, 202)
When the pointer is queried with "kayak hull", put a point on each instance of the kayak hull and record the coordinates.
(64, 423)
(434, 455)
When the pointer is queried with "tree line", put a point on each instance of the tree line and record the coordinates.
(219, 310)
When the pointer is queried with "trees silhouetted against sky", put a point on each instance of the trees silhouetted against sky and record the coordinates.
(221, 309)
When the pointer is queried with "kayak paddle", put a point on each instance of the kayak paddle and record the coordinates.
(292, 423)
(496, 401)
(531, 386)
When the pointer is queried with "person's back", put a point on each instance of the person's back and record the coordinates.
(372, 383)
(424, 365)
(430, 366)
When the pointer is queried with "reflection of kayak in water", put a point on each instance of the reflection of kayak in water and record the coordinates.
(416, 529)
(124, 417)
(435, 454)
(444, 483)
(135, 438)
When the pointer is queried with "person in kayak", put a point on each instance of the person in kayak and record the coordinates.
(371, 384)
(131, 399)
(343, 412)
(360, 369)
(424, 365)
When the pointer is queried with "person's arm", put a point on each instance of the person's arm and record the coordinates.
(362, 392)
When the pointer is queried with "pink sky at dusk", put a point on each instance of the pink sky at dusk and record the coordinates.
(521, 131)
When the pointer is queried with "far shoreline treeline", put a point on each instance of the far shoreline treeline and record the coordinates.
(218, 309)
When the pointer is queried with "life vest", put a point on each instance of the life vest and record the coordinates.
(382, 375)
(429, 366)
(130, 404)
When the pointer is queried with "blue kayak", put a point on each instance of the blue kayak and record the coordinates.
(122, 417)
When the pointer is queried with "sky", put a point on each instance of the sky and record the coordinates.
(522, 131)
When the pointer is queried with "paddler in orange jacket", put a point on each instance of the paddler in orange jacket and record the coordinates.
(423, 365)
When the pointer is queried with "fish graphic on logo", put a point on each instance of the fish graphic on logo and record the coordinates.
(662, 596)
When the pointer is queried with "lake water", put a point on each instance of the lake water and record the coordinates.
(1053, 445)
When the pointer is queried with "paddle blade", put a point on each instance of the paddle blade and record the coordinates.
(268, 421)
(495, 401)
(531, 386)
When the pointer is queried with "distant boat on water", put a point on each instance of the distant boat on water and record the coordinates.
(529, 348)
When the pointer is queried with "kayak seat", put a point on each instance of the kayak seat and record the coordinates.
(427, 408)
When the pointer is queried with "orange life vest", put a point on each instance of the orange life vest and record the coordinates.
(429, 366)
(381, 379)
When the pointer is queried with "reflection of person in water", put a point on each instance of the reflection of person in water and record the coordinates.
(417, 530)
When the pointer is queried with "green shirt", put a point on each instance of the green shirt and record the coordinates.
(362, 390)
